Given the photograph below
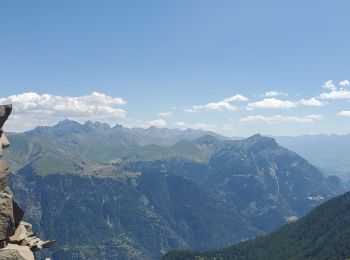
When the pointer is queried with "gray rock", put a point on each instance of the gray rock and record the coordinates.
(16, 252)
(24, 236)
(5, 111)
(7, 223)
(10, 254)
(3, 175)
(4, 141)
(17, 213)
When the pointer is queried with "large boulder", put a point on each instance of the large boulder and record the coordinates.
(24, 236)
(16, 252)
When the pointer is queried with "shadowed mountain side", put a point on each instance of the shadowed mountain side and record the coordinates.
(146, 219)
(267, 182)
(324, 233)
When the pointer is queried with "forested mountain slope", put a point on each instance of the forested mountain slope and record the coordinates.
(324, 233)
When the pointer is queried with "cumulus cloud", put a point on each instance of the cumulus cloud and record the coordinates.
(237, 97)
(274, 93)
(157, 123)
(279, 118)
(203, 126)
(164, 114)
(272, 103)
(336, 94)
(329, 85)
(344, 113)
(31, 109)
(223, 105)
(219, 106)
(344, 83)
(313, 102)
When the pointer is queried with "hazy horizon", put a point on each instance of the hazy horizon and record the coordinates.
(175, 128)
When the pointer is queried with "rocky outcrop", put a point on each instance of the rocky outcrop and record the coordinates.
(16, 252)
(17, 240)
(24, 236)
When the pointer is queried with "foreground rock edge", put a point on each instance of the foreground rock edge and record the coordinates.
(17, 241)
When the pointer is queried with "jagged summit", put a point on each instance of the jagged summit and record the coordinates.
(135, 136)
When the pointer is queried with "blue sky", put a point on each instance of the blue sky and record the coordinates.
(143, 58)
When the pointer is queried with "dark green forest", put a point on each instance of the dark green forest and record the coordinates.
(324, 233)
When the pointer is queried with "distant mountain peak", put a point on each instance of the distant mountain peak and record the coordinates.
(67, 123)
(89, 125)
(256, 136)
(260, 142)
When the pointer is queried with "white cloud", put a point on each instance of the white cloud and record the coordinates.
(237, 97)
(165, 114)
(219, 106)
(31, 109)
(329, 85)
(223, 105)
(203, 126)
(337, 94)
(157, 123)
(274, 93)
(272, 103)
(279, 118)
(344, 113)
(313, 102)
(344, 83)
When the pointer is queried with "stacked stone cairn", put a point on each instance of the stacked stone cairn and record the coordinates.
(17, 241)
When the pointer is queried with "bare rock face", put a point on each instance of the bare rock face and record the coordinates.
(17, 241)
(3, 174)
(16, 252)
(17, 213)
(5, 111)
(24, 236)
(7, 223)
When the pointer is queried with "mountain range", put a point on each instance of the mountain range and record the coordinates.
(112, 192)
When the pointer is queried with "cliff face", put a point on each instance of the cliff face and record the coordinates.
(16, 238)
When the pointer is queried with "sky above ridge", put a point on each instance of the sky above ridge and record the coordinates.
(235, 67)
